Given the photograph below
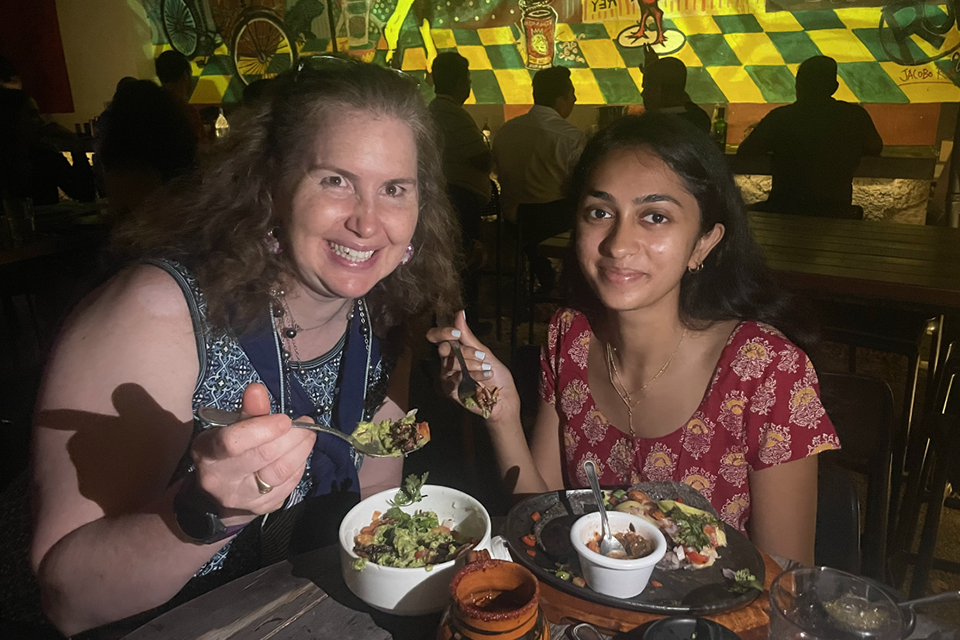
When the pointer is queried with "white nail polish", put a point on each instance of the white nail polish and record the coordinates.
(456, 333)
(480, 355)
(486, 367)
(487, 374)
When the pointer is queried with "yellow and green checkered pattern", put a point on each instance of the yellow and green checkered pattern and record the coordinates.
(732, 58)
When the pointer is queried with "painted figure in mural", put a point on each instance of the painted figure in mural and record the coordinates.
(816, 144)
(423, 13)
(650, 10)
(667, 365)
(466, 160)
(534, 154)
(287, 293)
(665, 91)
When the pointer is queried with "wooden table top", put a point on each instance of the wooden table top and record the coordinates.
(899, 262)
(306, 598)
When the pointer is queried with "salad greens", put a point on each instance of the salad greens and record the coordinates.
(398, 539)
(395, 438)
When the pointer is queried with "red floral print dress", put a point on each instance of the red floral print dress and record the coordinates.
(762, 409)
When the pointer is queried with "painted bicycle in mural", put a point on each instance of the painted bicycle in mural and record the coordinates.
(255, 33)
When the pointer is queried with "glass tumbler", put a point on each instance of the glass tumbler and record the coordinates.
(819, 603)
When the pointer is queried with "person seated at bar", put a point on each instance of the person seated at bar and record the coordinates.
(31, 162)
(816, 144)
(534, 154)
(665, 91)
(173, 71)
(672, 360)
(9, 75)
(280, 285)
(147, 142)
(466, 159)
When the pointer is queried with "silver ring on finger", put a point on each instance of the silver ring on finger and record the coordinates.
(262, 486)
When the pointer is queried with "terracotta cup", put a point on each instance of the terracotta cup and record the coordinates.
(494, 599)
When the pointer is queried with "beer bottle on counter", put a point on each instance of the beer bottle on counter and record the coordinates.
(718, 131)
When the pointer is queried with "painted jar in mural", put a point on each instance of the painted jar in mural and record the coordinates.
(540, 30)
(358, 22)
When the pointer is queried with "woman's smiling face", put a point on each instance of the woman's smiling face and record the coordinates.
(355, 211)
(638, 231)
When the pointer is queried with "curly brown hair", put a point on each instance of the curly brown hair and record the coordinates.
(215, 223)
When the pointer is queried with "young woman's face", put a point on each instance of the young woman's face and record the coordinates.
(638, 231)
(354, 213)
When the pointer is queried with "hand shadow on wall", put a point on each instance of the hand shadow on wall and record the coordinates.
(126, 460)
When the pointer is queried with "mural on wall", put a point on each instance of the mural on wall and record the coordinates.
(740, 51)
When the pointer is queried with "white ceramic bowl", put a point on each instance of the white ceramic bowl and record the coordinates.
(610, 576)
(416, 591)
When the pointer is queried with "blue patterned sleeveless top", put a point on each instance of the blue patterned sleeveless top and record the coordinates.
(225, 371)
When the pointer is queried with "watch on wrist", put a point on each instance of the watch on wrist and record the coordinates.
(196, 514)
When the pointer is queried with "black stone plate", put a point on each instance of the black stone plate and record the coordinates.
(696, 592)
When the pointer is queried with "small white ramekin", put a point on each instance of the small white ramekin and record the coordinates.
(610, 576)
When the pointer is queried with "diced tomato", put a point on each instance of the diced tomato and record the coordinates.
(679, 500)
(530, 540)
(422, 553)
(535, 516)
(364, 539)
(423, 432)
(711, 532)
(532, 552)
(655, 583)
(694, 557)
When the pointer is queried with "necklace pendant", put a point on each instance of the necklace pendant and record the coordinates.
(290, 333)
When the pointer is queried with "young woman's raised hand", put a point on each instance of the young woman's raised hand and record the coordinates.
(483, 366)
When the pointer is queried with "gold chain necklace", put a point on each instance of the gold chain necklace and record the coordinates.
(621, 388)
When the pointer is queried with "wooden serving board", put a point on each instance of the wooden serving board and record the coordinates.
(750, 622)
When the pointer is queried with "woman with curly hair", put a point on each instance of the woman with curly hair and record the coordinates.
(671, 361)
(277, 283)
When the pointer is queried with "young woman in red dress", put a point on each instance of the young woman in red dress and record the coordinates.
(670, 361)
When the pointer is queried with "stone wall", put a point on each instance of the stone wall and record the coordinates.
(884, 200)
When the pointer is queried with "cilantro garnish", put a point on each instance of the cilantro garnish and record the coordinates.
(744, 579)
(409, 493)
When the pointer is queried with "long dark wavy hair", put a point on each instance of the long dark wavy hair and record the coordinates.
(215, 223)
(735, 283)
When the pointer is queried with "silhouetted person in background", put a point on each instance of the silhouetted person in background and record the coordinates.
(256, 91)
(535, 153)
(148, 143)
(817, 143)
(173, 70)
(665, 91)
(466, 161)
(31, 162)
(9, 76)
